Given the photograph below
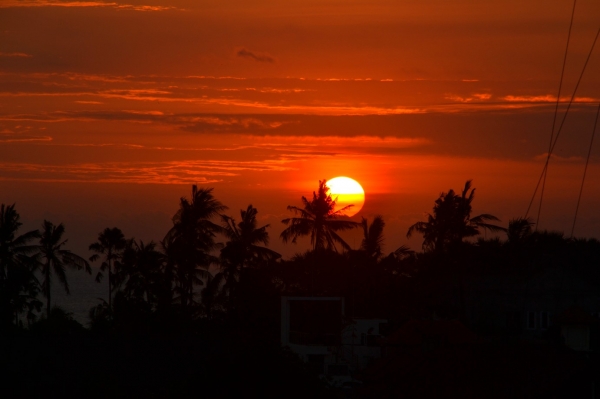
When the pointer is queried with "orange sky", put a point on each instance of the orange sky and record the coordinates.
(110, 111)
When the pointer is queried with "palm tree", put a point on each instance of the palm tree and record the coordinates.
(191, 239)
(451, 221)
(54, 259)
(18, 285)
(519, 229)
(111, 243)
(13, 248)
(373, 237)
(319, 220)
(242, 249)
(142, 272)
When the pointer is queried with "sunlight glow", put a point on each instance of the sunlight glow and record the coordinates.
(347, 191)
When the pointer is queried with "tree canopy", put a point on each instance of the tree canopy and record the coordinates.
(319, 220)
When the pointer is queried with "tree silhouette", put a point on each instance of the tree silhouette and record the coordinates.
(18, 285)
(53, 259)
(319, 220)
(519, 229)
(111, 243)
(142, 273)
(373, 237)
(242, 250)
(451, 221)
(191, 239)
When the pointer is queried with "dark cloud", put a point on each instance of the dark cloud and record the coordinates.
(260, 57)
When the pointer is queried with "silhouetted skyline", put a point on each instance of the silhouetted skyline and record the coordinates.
(260, 101)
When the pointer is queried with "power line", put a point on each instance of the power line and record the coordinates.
(587, 161)
(572, 99)
(562, 74)
(565, 117)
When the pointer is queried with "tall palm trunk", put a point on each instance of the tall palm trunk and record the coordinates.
(47, 288)
(110, 279)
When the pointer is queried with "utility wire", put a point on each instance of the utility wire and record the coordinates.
(562, 74)
(587, 161)
(545, 169)
(572, 99)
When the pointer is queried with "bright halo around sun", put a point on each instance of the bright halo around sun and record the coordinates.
(348, 192)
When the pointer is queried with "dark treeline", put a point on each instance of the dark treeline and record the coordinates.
(198, 312)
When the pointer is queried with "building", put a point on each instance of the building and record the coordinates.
(334, 346)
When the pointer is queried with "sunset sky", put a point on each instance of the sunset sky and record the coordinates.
(110, 111)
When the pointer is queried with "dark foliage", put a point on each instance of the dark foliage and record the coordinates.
(194, 316)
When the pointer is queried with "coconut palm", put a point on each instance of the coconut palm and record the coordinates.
(18, 285)
(451, 221)
(142, 272)
(53, 259)
(319, 219)
(13, 248)
(373, 237)
(519, 229)
(110, 244)
(191, 239)
(242, 249)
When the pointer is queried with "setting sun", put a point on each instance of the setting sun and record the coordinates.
(347, 191)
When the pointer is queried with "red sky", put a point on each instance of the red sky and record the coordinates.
(110, 111)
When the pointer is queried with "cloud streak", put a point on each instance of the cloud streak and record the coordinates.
(16, 54)
(21, 138)
(79, 4)
(260, 57)
(227, 95)
(170, 172)
(548, 98)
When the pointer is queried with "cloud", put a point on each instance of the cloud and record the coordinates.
(260, 57)
(18, 55)
(187, 122)
(548, 98)
(51, 3)
(227, 95)
(228, 124)
(7, 136)
(473, 97)
(303, 146)
(170, 172)
(558, 158)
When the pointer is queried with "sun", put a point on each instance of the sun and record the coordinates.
(348, 192)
